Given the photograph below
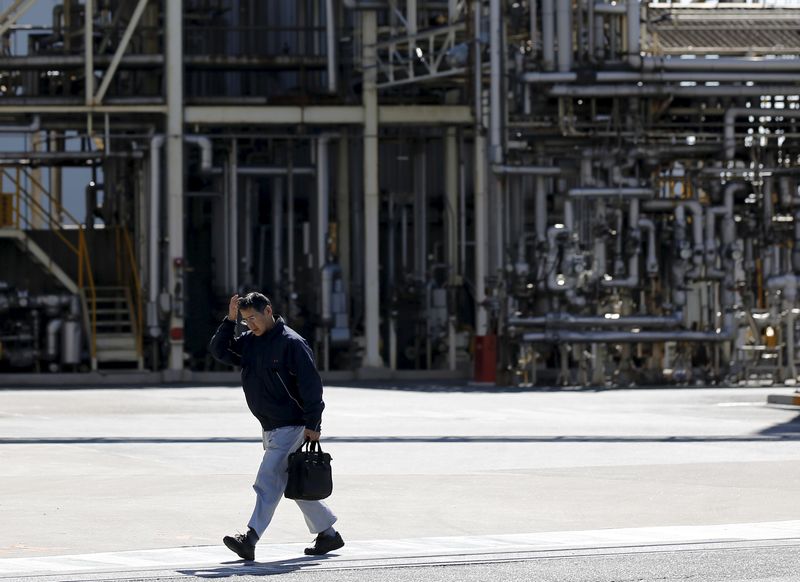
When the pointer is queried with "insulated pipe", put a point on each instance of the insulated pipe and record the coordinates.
(729, 130)
(611, 193)
(564, 31)
(527, 170)
(548, 35)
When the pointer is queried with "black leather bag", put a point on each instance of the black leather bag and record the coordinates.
(310, 476)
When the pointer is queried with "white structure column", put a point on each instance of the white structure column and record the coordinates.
(369, 35)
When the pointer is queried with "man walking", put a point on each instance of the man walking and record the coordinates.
(284, 392)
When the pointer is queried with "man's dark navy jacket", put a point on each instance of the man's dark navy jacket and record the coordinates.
(280, 381)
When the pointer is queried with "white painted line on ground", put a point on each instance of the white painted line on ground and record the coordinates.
(377, 550)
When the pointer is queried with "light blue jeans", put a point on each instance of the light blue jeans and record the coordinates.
(271, 483)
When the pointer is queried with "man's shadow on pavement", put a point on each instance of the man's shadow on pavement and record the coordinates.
(244, 568)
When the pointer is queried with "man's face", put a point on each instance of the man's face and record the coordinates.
(258, 322)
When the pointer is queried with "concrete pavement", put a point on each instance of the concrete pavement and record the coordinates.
(116, 471)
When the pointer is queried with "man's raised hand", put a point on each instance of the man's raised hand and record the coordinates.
(233, 308)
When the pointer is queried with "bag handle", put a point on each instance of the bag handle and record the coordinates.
(311, 446)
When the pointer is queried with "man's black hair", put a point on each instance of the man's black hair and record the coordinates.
(254, 300)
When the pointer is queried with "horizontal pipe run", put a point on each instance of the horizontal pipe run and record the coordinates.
(729, 121)
(656, 77)
(527, 170)
(611, 193)
(629, 337)
(566, 321)
(755, 64)
(589, 91)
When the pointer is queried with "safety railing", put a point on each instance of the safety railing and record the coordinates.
(128, 277)
(27, 211)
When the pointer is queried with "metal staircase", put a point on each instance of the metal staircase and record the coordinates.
(117, 336)
(112, 315)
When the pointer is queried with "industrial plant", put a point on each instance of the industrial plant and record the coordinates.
(530, 192)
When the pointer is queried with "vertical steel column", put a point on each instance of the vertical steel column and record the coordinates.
(173, 74)
(481, 238)
(88, 49)
(369, 36)
(451, 197)
(451, 220)
(497, 62)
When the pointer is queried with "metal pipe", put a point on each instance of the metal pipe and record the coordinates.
(274, 171)
(548, 35)
(330, 37)
(206, 151)
(755, 64)
(156, 143)
(496, 64)
(697, 220)
(479, 189)
(608, 9)
(632, 280)
(729, 127)
(233, 216)
(564, 31)
(53, 337)
(277, 232)
(323, 200)
(724, 334)
(662, 90)
(526, 170)
(651, 262)
(563, 320)
(633, 21)
(611, 193)
(540, 205)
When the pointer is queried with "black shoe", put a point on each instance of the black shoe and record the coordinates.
(324, 544)
(239, 545)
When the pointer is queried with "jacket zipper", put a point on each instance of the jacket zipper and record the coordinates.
(287, 389)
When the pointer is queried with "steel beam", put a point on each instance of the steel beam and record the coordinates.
(326, 115)
(123, 46)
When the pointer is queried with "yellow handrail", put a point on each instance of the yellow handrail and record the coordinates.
(138, 290)
(84, 260)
